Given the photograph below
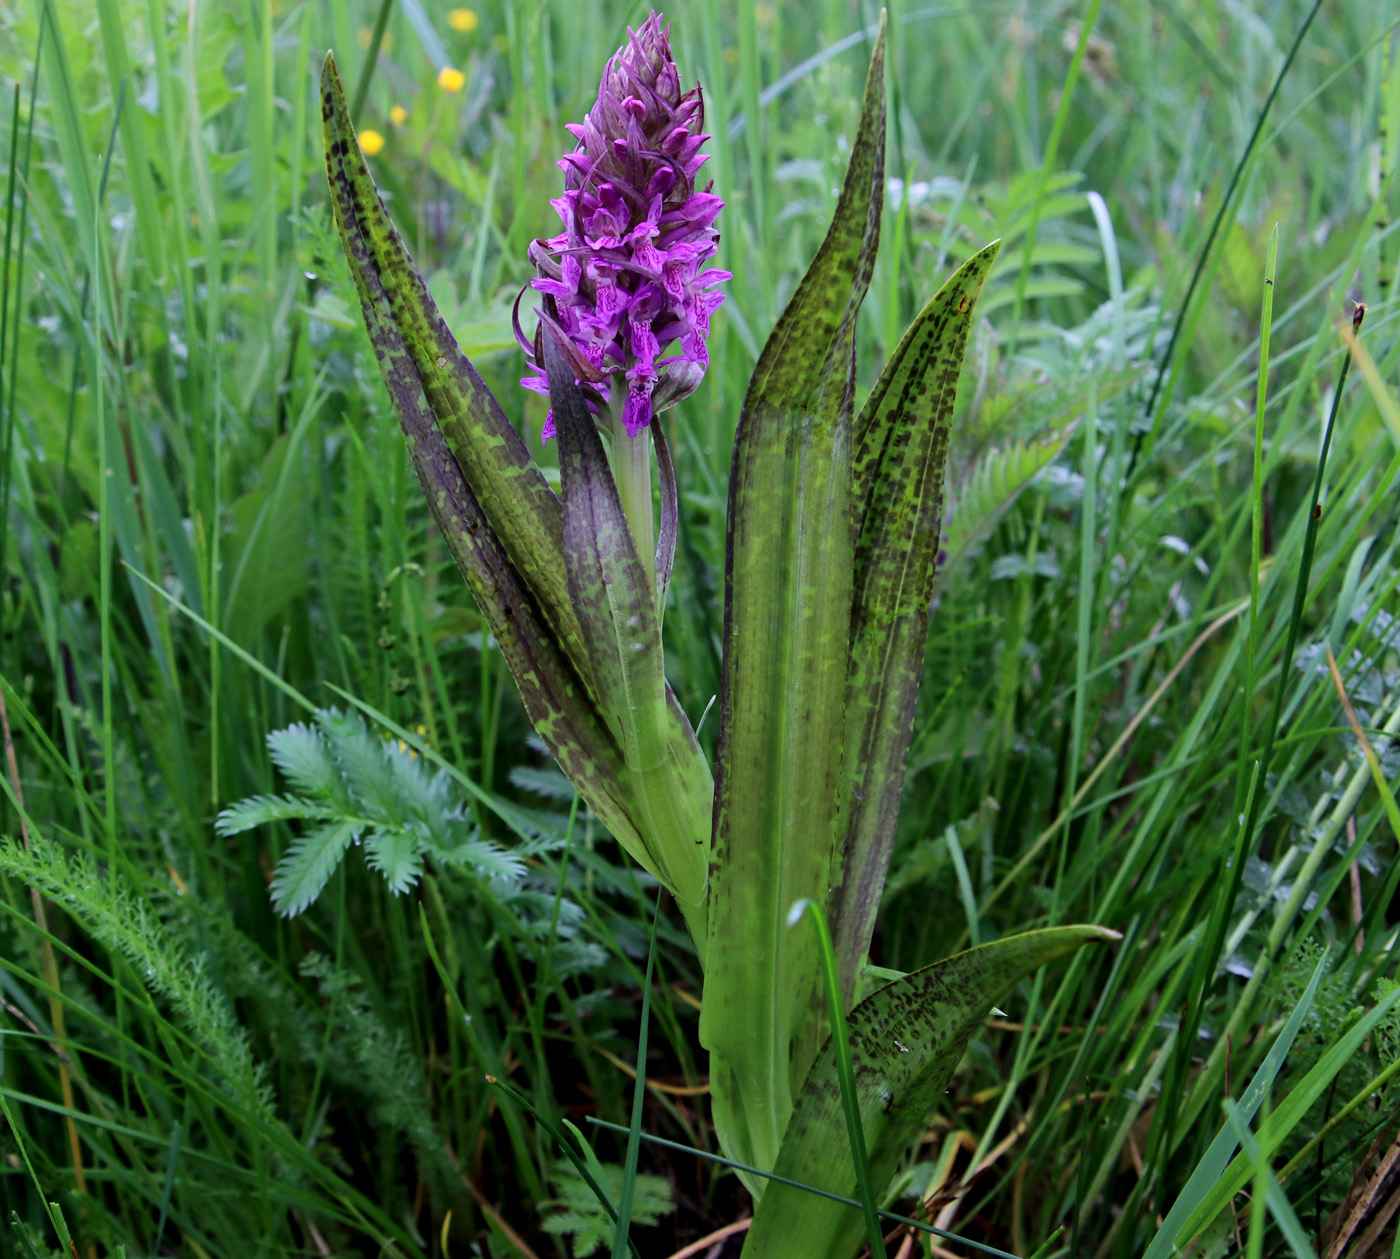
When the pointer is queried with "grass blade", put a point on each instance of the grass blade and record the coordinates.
(621, 1238)
(845, 1074)
(1211, 1167)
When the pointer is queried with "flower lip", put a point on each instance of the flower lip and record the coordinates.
(627, 275)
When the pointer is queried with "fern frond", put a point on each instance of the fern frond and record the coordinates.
(994, 483)
(244, 815)
(307, 865)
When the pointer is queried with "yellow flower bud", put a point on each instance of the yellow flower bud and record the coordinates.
(371, 142)
(451, 80)
(463, 20)
(398, 115)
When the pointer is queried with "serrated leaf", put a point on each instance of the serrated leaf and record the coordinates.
(906, 1038)
(901, 449)
(425, 795)
(397, 855)
(244, 815)
(616, 606)
(500, 520)
(994, 483)
(362, 759)
(309, 862)
(489, 860)
(301, 754)
(780, 782)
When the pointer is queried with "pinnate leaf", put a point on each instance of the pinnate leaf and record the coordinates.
(309, 862)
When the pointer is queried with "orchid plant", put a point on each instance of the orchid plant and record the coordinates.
(833, 528)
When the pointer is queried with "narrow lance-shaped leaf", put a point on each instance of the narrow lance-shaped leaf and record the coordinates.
(616, 606)
(780, 781)
(498, 517)
(905, 1040)
(901, 449)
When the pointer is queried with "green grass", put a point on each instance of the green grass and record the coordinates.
(209, 527)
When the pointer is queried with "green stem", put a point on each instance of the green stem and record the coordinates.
(631, 466)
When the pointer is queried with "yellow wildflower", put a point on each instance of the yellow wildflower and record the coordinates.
(451, 79)
(363, 36)
(398, 115)
(464, 20)
(371, 142)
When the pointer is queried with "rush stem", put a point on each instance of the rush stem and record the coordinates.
(631, 466)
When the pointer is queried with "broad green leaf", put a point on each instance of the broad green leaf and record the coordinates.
(905, 1040)
(500, 520)
(616, 604)
(901, 448)
(780, 784)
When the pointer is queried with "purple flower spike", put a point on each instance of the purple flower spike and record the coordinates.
(626, 278)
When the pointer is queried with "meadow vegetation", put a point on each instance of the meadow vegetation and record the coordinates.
(1161, 691)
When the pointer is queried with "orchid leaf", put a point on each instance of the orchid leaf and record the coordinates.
(905, 1039)
(781, 783)
(500, 520)
(900, 452)
(615, 601)
(670, 515)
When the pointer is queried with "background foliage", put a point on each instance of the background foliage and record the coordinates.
(210, 535)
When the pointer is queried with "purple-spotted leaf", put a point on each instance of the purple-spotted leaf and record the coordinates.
(905, 1040)
(615, 601)
(780, 782)
(901, 450)
(500, 520)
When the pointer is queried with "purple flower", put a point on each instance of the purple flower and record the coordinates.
(626, 278)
